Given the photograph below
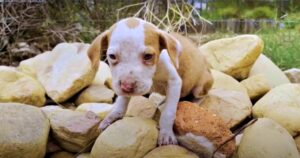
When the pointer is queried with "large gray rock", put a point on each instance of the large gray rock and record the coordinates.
(293, 75)
(24, 131)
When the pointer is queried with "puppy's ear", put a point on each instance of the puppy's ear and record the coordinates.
(98, 47)
(168, 42)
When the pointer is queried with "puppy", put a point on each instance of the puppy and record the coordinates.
(146, 59)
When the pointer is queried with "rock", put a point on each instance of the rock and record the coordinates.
(24, 131)
(293, 75)
(202, 131)
(157, 99)
(170, 151)
(101, 109)
(297, 140)
(233, 56)
(281, 104)
(256, 86)
(131, 137)
(103, 74)
(95, 93)
(140, 106)
(224, 81)
(74, 130)
(64, 71)
(232, 106)
(267, 139)
(49, 109)
(52, 146)
(266, 67)
(84, 155)
(19, 87)
(62, 154)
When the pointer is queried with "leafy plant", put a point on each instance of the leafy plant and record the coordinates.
(260, 13)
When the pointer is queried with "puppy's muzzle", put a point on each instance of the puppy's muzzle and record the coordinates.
(127, 86)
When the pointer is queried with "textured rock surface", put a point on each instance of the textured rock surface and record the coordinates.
(18, 87)
(256, 86)
(141, 107)
(95, 93)
(281, 104)
(170, 151)
(267, 139)
(63, 78)
(233, 56)
(131, 137)
(101, 109)
(84, 155)
(62, 154)
(232, 106)
(266, 67)
(297, 140)
(24, 131)
(202, 131)
(293, 75)
(103, 75)
(74, 130)
(224, 81)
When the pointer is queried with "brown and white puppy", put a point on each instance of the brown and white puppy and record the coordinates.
(146, 59)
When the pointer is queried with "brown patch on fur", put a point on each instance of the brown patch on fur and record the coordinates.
(132, 23)
(152, 40)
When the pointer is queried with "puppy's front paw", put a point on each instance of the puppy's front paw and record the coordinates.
(166, 138)
(109, 120)
(104, 124)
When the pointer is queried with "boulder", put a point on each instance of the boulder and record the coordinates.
(267, 139)
(157, 98)
(65, 70)
(233, 56)
(24, 131)
(281, 104)
(202, 131)
(49, 109)
(170, 151)
(95, 93)
(293, 75)
(140, 106)
(256, 86)
(131, 137)
(62, 154)
(84, 155)
(18, 87)
(101, 109)
(297, 140)
(103, 75)
(232, 106)
(266, 67)
(224, 81)
(74, 130)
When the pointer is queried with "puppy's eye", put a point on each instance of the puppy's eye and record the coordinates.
(112, 56)
(148, 56)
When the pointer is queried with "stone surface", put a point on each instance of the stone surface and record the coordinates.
(293, 75)
(103, 75)
(49, 109)
(141, 107)
(232, 106)
(18, 87)
(256, 86)
(62, 154)
(266, 67)
(84, 155)
(170, 151)
(297, 140)
(101, 109)
(233, 56)
(157, 98)
(64, 71)
(267, 139)
(202, 131)
(74, 130)
(281, 104)
(224, 81)
(24, 131)
(95, 93)
(131, 137)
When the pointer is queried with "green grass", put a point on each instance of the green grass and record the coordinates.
(281, 46)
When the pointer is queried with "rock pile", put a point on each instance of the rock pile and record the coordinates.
(35, 123)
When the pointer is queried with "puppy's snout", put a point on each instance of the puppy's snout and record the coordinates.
(127, 86)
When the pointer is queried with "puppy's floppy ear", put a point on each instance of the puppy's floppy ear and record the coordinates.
(97, 48)
(168, 42)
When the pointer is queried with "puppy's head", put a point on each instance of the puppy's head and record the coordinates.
(132, 47)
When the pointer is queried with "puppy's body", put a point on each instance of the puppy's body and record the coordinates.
(144, 59)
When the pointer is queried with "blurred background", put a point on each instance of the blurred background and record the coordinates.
(30, 27)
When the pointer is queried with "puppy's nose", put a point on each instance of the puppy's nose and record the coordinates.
(127, 86)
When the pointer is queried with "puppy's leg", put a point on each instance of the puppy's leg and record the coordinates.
(202, 88)
(166, 135)
(118, 111)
